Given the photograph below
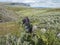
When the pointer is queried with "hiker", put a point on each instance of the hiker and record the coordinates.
(28, 26)
(26, 21)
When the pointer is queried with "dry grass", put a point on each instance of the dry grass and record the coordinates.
(9, 27)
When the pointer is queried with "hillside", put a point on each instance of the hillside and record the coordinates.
(7, 15)
(14, 4)
(13, 14)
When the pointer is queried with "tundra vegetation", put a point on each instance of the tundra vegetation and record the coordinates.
(47, 21)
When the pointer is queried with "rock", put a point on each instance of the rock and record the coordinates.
(35, 27)
(43, 30)
(58, 35)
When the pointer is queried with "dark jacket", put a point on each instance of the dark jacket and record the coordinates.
(26, 21)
